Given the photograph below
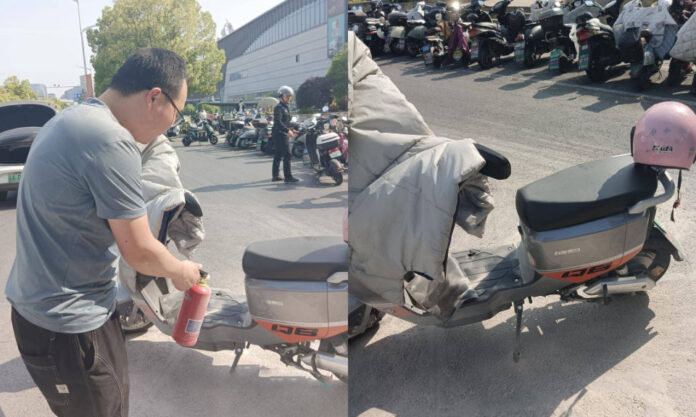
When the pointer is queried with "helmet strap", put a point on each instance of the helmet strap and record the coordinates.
(678, 202)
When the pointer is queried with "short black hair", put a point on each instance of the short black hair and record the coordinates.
(148, 68)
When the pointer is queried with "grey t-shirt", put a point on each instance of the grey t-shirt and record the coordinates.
(83, 168)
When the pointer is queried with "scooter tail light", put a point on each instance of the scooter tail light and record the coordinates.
(473, 33)
(583, 35)
(520, 37)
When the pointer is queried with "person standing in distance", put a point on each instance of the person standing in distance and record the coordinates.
(281, 134)
(80, 193)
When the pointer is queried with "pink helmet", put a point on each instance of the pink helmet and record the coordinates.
(665, 136)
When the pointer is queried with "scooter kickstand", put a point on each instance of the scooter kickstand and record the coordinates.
(518, 331)
(237, 354)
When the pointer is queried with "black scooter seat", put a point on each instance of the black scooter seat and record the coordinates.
(296, 259)
(585, 192)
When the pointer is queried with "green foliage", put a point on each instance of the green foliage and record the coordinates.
(209, 108)
(307, 110)
(338, 74)
(15, 90)
(189, 110)
(314, 92)
(177, 25)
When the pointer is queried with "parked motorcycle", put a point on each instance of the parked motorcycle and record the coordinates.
(201, 132)
(681, 11)
(531, 44)
(598, 49)
(299, 143)
(325, 148)
(491, 41)
(643, 51)
(236, 129)
(557, 22)
(588, 233)
(175, 129)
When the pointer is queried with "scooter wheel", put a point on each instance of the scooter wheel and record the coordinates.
(186, 141)
(437, 62)
(338, 178)
(486, 58)
(676, 73)
(133, 319)
(297, 151)
(213, 140)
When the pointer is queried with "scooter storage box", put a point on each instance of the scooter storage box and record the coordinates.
(286, 282)
(398, 19)
(551, 20)
(578, 217)
(611, 240)
(327, 141)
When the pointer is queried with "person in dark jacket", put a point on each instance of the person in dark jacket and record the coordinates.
(281, 134)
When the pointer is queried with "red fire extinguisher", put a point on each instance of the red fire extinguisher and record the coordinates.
(188, 324)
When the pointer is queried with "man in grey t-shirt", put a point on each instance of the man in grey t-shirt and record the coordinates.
(80, 193)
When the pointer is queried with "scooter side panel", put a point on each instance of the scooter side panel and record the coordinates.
(298, 311)
(584, 251)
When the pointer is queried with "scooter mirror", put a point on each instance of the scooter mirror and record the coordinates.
(325, 109)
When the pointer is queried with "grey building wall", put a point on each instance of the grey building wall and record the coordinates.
(284, 46)
(287, 62)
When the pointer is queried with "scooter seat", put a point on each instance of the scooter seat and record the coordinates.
(487, 25)
(296, 259)
(585, 192)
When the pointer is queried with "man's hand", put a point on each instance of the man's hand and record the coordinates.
(148, 256)
(190, 275)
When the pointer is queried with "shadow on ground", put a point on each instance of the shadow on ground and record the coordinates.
(469, 370)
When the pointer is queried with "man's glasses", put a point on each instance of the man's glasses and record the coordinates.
(179, 116)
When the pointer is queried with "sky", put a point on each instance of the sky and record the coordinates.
(40, 41)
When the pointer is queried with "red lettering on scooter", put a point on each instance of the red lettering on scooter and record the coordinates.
(585, 271)
(298, 331)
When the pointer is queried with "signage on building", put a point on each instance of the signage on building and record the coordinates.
(336, 12)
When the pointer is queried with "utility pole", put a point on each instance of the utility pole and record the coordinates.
(82, 41)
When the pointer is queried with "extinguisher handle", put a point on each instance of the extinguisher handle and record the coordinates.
(203, 273)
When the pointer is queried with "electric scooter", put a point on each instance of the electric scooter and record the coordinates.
(587, 233)
(296, 301)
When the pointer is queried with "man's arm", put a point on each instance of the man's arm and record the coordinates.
(150, 257)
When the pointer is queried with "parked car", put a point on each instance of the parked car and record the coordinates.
(20, 122)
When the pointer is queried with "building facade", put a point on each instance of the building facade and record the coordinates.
(40, 90)
(284, 46)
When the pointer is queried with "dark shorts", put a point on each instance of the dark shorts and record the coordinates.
(83, 374)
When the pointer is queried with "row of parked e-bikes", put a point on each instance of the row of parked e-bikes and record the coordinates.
(321, 141)
(594, 36)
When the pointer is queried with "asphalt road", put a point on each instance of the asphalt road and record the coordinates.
(241, 205)
(633, 357)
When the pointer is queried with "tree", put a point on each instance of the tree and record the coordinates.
(19, 90)
(15, 90)
(314, 92)
(338, 74)
(177, 25)
(189, 110)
